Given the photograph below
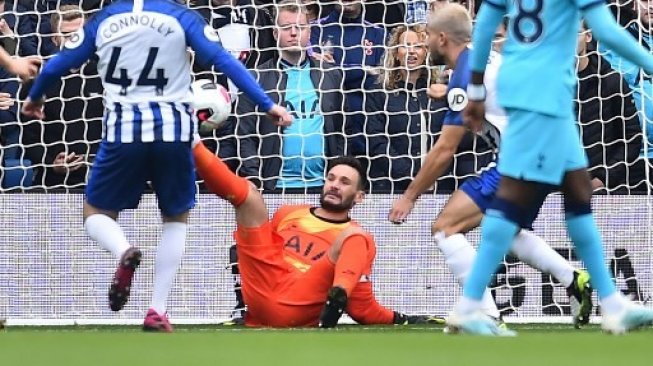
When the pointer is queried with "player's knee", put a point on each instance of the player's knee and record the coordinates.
(447, 227)
(252, 212)
(581, 194)
(89, 210)
(577, 187)
(577, 206)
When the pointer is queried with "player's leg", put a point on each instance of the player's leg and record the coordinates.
(260, 250)
(107, 193)
(463, 212)
(250, 207)
(502, 221)
(534, 251)
(172, 172)
(168, 258)
(515, 200)
(619, 315)
(460, 215)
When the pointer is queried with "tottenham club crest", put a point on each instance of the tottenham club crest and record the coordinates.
(457, 99)
(75, 39)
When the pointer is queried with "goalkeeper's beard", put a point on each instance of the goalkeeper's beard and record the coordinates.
(344, 205)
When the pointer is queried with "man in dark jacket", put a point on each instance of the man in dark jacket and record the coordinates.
(608, 120)
(63, 146)
(357, 46)
(244, 26)
(401, 127)
(295, 156)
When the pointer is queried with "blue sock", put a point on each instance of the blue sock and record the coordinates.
(587, 240)
(498, 229)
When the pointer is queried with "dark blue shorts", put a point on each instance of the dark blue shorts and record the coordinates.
(121, 171)
(482, 188)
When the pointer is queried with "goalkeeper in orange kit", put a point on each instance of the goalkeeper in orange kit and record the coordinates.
(307, 265)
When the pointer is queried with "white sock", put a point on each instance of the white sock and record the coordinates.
(459, 256)
(168, 258)
(468, 306)
(613, 304)
(534, 251)
(106, 232)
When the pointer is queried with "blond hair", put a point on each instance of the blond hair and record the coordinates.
(291, 6)
(452, 19)
(391, 74)
(65, 13)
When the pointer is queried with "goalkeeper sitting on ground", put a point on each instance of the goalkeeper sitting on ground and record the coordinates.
(307, 265)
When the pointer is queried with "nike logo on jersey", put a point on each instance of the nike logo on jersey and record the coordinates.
(129, 20)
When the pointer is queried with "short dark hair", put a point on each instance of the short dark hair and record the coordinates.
(354, 163)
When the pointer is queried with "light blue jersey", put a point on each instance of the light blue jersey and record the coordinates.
(303, 142)
(538, 72)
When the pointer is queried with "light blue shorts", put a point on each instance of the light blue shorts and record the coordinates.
(540, 148)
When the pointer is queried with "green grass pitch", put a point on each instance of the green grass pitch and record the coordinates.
(547, 345)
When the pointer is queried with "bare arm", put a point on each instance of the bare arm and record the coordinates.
(437, 160)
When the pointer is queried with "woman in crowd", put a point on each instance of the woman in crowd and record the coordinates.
(402, 118)
(405, 115)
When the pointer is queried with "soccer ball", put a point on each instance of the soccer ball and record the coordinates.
(212, 104)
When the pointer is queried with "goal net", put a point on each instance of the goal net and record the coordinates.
(51, 273)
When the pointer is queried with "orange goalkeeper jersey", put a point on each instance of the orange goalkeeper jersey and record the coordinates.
(307, 238)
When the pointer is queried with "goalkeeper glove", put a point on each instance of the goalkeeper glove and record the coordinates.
(403, 319)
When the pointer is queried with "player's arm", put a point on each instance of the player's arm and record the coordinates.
(77, 50)
(439, 157)
(364, 309)
(488, 19)
(206, 43)
(437, 160)
(607, 30)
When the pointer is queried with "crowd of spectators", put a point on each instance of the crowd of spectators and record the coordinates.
(356, 76)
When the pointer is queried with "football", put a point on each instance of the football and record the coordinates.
(212, 104)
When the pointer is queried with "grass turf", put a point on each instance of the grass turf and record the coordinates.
(548, 345)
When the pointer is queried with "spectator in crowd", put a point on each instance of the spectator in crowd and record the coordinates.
(388, 14)
(33, 23)
(9, 130)
(295, 156)
(8, 39)
(245, 30)
(608, 120)
(244, 27)
(356, 46)
(637, 19)
(312, 10)
(63, 145)
(402, 119)
(405, 115)
(417, 11)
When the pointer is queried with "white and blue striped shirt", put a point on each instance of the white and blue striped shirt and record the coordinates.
(145, 68)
